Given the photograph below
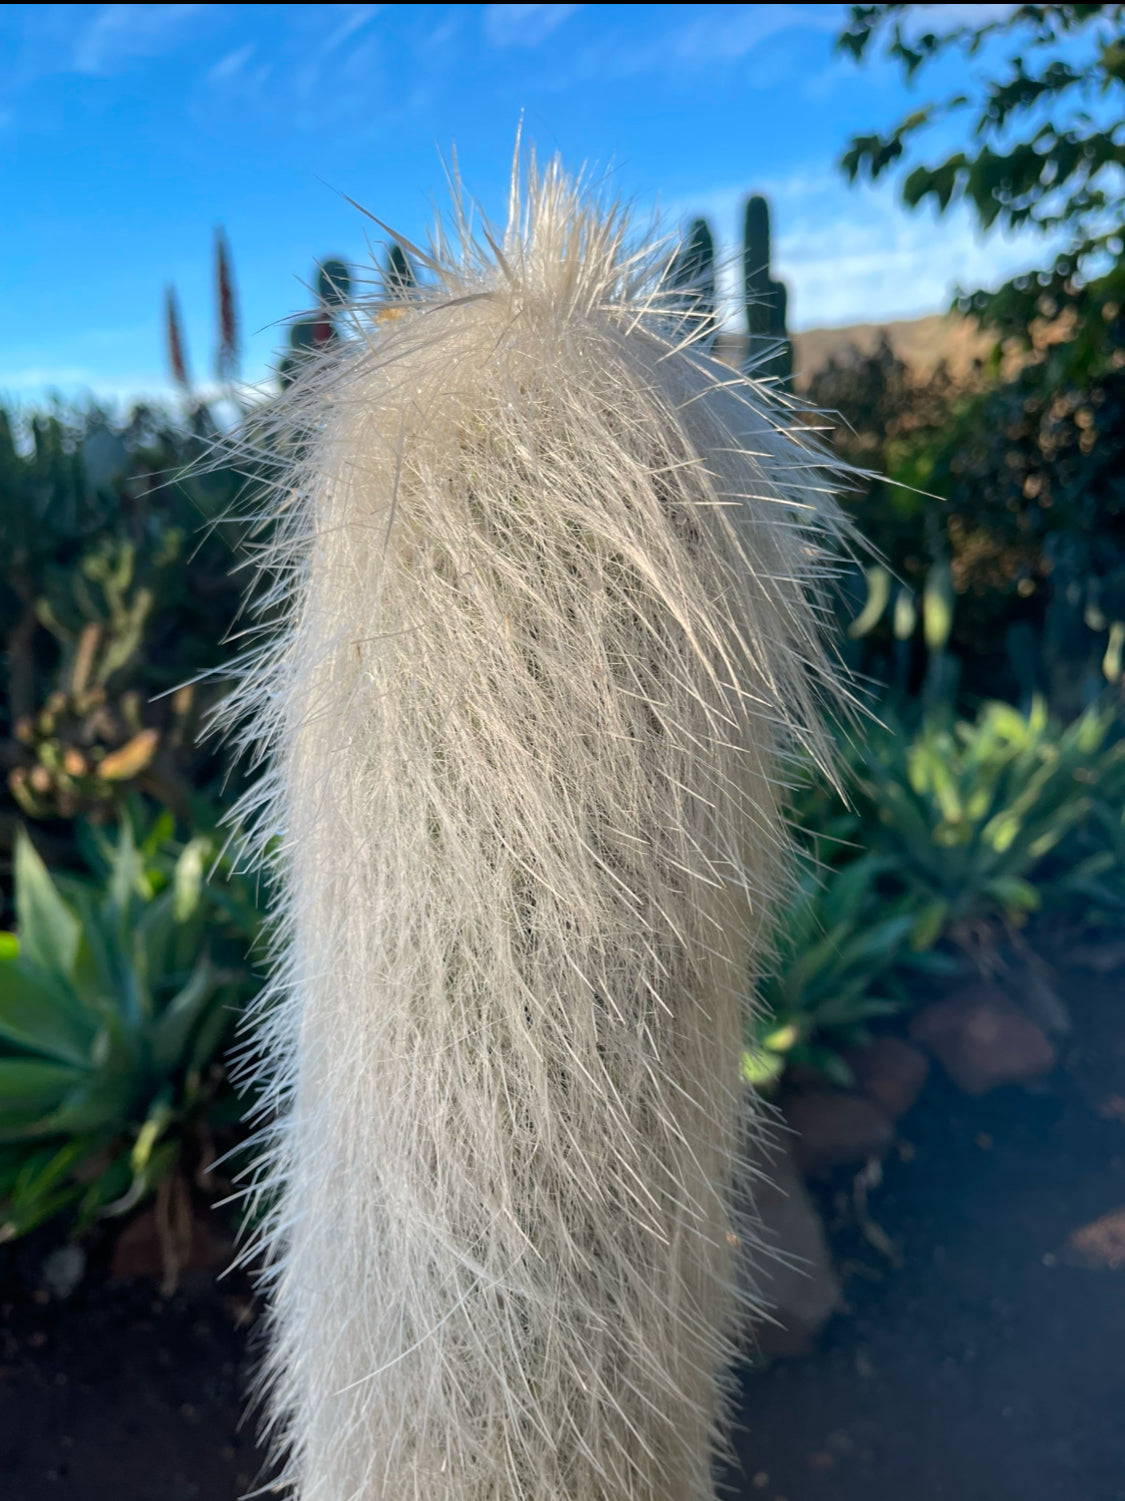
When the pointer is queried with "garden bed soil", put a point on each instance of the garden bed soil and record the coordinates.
(981, 1356)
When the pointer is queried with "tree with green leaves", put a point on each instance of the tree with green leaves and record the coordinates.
(1029, 462)
(1044, 150)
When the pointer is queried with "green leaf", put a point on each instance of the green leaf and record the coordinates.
(156, 1122)
(781, 1040)
(31, 1016)
(1000, 832)
(1017, 895)
(878, 593)
(928, 924)
(761, 1069)
(48, 929)
(905, 615)
(172, 1030)
(188, 878)
(30, 1090)
(937, 607)
(99, 1101)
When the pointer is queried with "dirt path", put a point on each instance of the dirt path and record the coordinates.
(985, 1367)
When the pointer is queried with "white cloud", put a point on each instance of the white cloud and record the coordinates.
(355, 17)
(116, 34)
(523, 25)
(231, 65)
(714, 34)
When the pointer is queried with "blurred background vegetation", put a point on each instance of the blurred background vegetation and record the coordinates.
(988, 637)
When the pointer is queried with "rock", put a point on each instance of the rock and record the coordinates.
(1103, 958)
(1039, 1000)
(982, 1040)
(140, 1250)
(63, 1270)
(835, 1129)
(891, 1073)
(792, 1269)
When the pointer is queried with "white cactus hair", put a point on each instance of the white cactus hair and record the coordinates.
(550, 583)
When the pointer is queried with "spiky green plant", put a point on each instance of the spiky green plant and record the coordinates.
(969, 811)
(116, 994)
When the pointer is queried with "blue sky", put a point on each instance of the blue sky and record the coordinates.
(127, 132)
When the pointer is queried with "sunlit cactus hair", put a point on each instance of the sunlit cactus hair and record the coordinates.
(550, 584)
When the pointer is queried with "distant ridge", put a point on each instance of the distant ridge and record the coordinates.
(921, 343)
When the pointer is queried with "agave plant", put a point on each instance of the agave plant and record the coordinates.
(834, 970)
(115, 997)
(968, 812)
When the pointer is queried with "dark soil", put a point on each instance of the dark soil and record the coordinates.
(988, 1365)
(979, 1360)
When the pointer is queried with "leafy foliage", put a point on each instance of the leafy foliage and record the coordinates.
(1026, 544)
(118, 583)
(116, 995)
(837, 945)
(968, 812)
(952, 827)
(1045, 150)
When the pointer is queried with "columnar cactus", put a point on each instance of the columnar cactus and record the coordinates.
(769, 352)
(692, 276)
(550, 586)
(310, 334)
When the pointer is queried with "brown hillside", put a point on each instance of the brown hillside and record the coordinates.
(921, 343)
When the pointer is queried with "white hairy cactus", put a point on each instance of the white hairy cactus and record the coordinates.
(548, 579)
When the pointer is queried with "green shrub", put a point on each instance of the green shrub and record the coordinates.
(837, 945)
(954, 829)
(968, 812)
(116, 995)
(118, 584)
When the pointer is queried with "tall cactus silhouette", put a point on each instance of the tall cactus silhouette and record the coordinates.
(399, 279)
(769, 351)
(692, 277)
(319, 329)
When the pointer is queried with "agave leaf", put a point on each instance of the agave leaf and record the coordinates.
(928, 924)
(879, 945)
(98, 1102)
(211, 1031)
(878, 594)
(42, 1190)
(781, 1039)
(937, 607)
(188, 878)
(156, 1122)
(48, 929)
(31, 1089)
(761, 1069)
(154, 939)
(42, 1018)
(171, 1031)
(945, 791)
(1015, 894)
(1003, 720)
